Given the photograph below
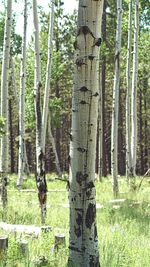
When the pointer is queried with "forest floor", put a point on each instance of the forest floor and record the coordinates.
(123, 226)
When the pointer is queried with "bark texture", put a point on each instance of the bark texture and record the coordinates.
(115, 105)
(4, 100)
(83, 242)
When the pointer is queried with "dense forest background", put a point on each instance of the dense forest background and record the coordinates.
(62, 83)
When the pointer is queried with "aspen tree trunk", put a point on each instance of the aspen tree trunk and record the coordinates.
(115, 105)
(134, 95)
(4, 100)
(83, 242)
(128, 96)
(40, 157)
(26, 165)
(48, 75)
(21, 163)
(52, 140)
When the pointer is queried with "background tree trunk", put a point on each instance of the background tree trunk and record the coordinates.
(21, 163)
(48, 75)
(128, 95)
(134, 95)
(115, 105)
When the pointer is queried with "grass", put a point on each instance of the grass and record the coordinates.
(124, 232)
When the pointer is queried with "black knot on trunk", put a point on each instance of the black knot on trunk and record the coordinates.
(84, 30)
(82, 102)
(97, 42)
(90, 57)
(79, 178)
(79, 62)
(81, 149)
(83, 89)
(96, 94)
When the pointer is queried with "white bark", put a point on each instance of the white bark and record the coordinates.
(83, 243)
(40, 161)
(128, 95)
(4, 99)
(134, 91)
(52, 140)
(21, 162)
(48, 75)
(115, 105)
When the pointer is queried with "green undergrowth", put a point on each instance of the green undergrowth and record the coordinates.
(123, 228)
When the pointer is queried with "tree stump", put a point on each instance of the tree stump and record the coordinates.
(23, 247)
(3, 246)
(60, 240)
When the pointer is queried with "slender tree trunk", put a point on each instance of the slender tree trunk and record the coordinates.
(141, 137)
(12, 154)
(21, 163)
(40, 157)
(26, 165)
(134, 96)
(48, 75)
(100, 131)
(14, 81)
(52, 140)
(83, 242)
(121, 141)
(103, 87)
(4, 101)
(115, 106)
(128, 96)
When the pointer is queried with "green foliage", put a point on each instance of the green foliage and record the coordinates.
(56, 110)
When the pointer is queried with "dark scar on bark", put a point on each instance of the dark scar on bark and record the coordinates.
(90, 215)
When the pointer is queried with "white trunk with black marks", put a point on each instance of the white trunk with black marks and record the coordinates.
(21, 163)
(52, 140)
(115, 105)
(83, 243)
(134, 91)
(4, 100)
(40, 160)
(128, 95)
(48, 75)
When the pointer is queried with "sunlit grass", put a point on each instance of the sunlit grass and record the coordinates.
(124, 231)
